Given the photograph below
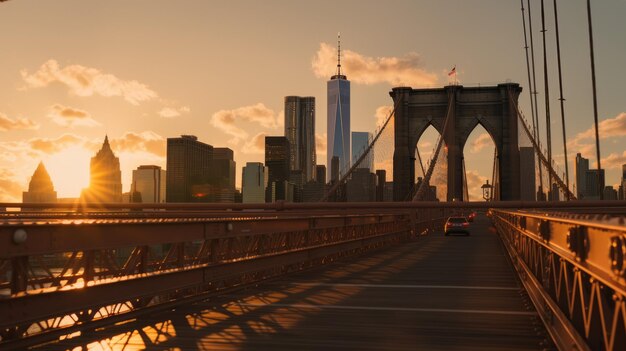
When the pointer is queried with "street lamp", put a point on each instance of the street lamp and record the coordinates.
(486, 190)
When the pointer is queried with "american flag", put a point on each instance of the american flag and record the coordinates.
(453, 71)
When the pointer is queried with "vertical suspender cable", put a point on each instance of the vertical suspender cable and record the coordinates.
(530, 87)
(535, 123)
(561, 99)
(547, 99)
(595, 99)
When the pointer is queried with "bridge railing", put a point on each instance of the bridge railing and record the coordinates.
(574, 269)
(69, 271)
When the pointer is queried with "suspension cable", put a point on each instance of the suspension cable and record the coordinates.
(345, 176)
(561, 99)
(535, 123)
(542, 158)
(595, 99)
(547, 98)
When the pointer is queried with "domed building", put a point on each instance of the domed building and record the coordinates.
(40, 188)
(105, 184)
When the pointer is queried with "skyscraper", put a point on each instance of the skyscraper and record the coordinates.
(277, 160)
(149, 181)
(188, 164)
(105, 184)
(594, 184)
(582, 166)
(224, 174)
(254, 182)
(40, 188)
(527, 173)
(360, 142)
(338, 118)
(300, 131)
(622, 193)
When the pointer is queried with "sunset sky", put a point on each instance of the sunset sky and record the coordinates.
(145, 70)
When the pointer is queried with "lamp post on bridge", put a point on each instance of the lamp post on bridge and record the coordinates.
(486, 190)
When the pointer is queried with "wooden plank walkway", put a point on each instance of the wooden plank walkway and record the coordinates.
(436, 293)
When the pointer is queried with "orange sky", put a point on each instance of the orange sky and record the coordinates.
(143, 71)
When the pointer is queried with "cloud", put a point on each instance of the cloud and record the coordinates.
(87, 81)
(71, 117)
(321, 145)
(397, 71)
(481, 142)
(381, 114)
(10, 188)
(256, 145)
(229, 120)
(51, 146)
(170, 112)
(7, 123)
(614, 161)
(147, 141)
(584, 142)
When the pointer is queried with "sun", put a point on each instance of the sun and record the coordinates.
(69, 170)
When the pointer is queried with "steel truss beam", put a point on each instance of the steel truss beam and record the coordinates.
(574, 269)
(66, 277)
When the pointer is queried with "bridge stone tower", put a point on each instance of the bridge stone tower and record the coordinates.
(489, 106)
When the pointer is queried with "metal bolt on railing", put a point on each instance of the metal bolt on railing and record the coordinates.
(578, 242)
(617, 253)
(544, 229)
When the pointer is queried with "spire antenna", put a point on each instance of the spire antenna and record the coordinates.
(338, 53)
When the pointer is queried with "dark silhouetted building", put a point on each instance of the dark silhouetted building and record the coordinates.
(361, 186)
(610, 193)
(300, 131)
(223, 174)
(105, 182)
(430, 193)
(334, 169)
(277, 162)
(594, 184)
(40, 188)
(381, 179)
(527, 173)
(188, 170)
(320, 174)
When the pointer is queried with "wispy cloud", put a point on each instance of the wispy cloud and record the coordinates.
(407, 70)
(10, 188)
(51, 146)
(321, 145)
(7, 123)
(146, 141)
(614, 161)
(609, 128)
(481, 142)
(256, 145)
(171, 112)
(232, 122)
(70, 117)
(381, 114)
(88, 81)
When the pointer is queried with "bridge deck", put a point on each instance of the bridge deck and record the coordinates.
(448, 293)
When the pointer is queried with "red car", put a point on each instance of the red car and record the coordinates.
(471, 216)
(457, 224)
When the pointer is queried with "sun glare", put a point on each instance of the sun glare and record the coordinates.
(69, 170)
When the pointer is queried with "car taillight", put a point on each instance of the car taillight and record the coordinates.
(466, 224)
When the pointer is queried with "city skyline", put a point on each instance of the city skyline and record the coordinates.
(64, 89)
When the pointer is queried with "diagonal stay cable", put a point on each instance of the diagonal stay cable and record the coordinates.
(420, 192)
(345, 177)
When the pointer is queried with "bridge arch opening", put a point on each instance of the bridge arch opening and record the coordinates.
(426, 144)
(479, 153)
